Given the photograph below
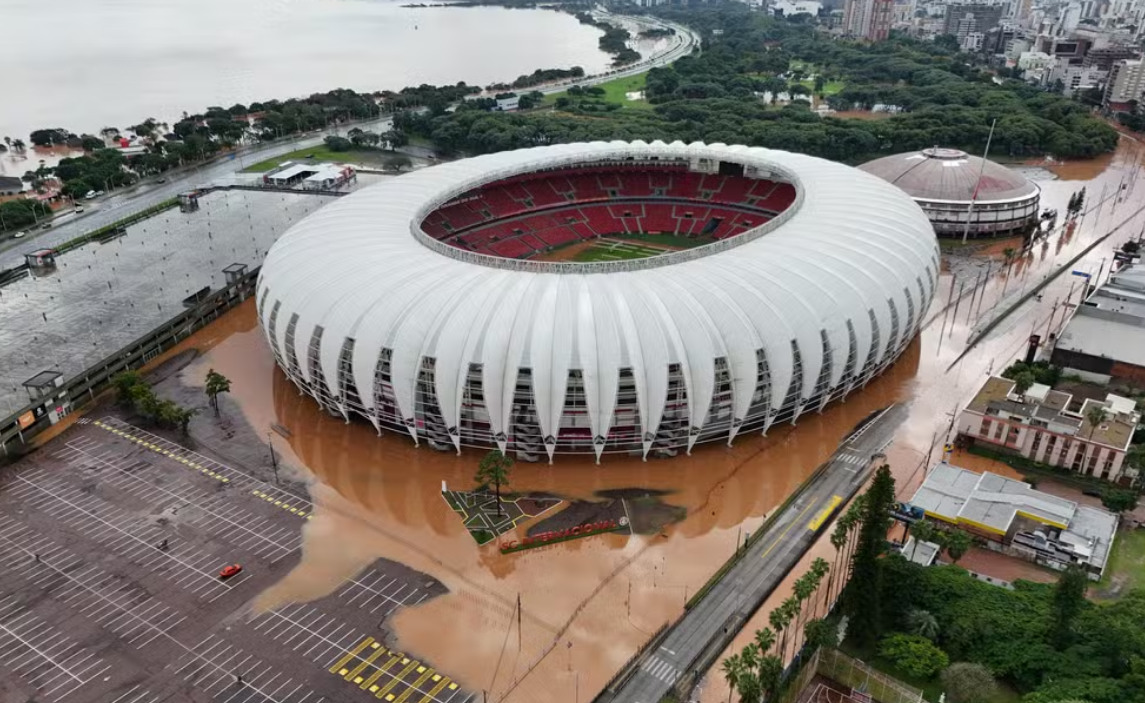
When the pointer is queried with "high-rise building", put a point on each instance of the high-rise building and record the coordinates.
(967, 18)
(1126, 85)
(868, 19)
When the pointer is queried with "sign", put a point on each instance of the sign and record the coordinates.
(1083, 274)
(585, 530)
(27, 419)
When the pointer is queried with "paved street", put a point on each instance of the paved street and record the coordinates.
(730, 602)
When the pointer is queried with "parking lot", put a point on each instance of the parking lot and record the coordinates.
(112, 539)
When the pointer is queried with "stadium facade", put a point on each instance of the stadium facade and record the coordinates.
(442, 303)
(945, 181)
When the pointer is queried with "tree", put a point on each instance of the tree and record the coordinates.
(125, 384)
(1095, 416)
(922, 531)
(923, 624)
(964, 682)
(1118, 500)
(396, 162)
(108, 133)
(765, 640)
(216, 384)
(1022, 383)
(957, 543)
(494, 470)
(395, 139)
(1009, 254)
(338, 143)
(1067, 603)
(863, 590)
(778, 623)
(915, 656)
(733, 670)
(819, 633)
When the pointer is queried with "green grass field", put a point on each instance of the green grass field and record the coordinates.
(829, 88)
(1126, 568)
(614, 250)
(615, 92)
(667, 240)
(317, 153)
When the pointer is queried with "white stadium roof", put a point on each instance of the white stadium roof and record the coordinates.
(848, 249)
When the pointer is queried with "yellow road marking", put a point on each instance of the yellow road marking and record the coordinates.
(394, 681)
(452, 687)
(409, 691)
(798, 519)
(369, 683)
(435, 690)
(378, 651)
(825, 513)
(351, 654)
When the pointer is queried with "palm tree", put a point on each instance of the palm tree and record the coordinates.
(804, 588)
(819, 568)
(958, 542)
(733, 669)
(765, 640)
(1009, 253)
(1094, 416)
(838, 541)
(790, 609)
(922, 623)
(778, 624)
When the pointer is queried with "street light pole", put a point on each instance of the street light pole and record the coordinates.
(273, 459)
(977, 183)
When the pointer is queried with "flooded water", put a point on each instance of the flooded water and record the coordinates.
(86, 65)
(381, 497)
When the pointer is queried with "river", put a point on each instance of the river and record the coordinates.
(85, 65)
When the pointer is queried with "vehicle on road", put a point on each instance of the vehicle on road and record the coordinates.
(46, 225)
(161, 180)
(229, 571)
(78, 209)
(21, 235)
(89, 195)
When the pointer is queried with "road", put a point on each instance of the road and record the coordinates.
(731, 602)
(123, 203)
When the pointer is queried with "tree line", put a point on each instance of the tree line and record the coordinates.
(716, 96)
(614, 41)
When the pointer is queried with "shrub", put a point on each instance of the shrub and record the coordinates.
(969, 683)
(914, 655)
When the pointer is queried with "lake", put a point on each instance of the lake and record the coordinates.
(83, 65)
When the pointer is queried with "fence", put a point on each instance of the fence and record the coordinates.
(859, 676)
(18, 429)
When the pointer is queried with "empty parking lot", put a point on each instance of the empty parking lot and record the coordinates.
(111, 543)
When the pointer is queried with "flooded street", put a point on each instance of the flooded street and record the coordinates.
(588, 604)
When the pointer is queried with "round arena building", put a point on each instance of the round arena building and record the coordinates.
(599, 298)
(944, 181)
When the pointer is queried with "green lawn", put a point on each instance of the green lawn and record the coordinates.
(668, 240)
(317, 153)
(931, 688)
(1126, 568)
(829, 88)
(611, 251)
(615, 92)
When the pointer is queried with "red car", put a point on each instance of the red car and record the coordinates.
(229, 571)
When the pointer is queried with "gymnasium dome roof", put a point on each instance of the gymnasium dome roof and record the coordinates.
(950, 174)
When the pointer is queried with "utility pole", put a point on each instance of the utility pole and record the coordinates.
(273, 459)
(518, 622)
(978, 182)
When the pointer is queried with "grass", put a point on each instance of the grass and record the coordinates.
(931, 688)
(668, 240)
(829, 88)
(318, 153)
(612, 251)
(1126, 568)
(615, 92)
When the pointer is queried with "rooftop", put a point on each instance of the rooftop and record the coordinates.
(1111, 324)
(951, 175)
(991, 502)
(1047, 408)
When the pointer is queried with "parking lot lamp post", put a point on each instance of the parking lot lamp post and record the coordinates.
(273, 459)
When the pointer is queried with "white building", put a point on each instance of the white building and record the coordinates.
(1012, 517)
(1126, 85)
(789, 8)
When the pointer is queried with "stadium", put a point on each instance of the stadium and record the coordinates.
(944, 182)
(599, 298)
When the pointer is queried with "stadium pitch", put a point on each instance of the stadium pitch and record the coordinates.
(635, 247)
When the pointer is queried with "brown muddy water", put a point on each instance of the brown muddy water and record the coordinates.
(604, 595)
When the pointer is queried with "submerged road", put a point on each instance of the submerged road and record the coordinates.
(732, 601)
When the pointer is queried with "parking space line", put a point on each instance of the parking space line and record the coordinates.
(150, 490)
(378, 650)
(368, 684)
(44, 657)
(394, 681)
(104, 527)
(416, 685)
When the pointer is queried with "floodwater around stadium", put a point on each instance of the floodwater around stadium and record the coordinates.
(89, 65)
(588, 604)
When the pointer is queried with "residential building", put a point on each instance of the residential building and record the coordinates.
(1103, 58)
(1014, 518)
(965, 18)
(1126, 84)
(1052, 427)
(789, 8)
(1076, 78)
(868, 19)
(1104, 342)
(10, 185)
